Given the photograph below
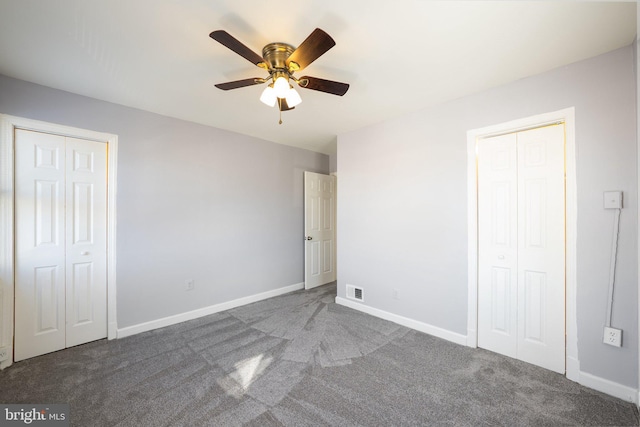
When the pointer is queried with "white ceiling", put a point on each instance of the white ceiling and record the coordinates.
(399, 56)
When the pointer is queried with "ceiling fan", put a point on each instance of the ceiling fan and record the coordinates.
(281, 60)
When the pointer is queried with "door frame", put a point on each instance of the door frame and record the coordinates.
(567, 116)
(8, 125)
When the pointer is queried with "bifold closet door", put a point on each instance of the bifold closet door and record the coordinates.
(521, 246)
(60, 253)
(498, 244)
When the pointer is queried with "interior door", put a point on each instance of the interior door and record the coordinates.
(541, 247)
(60, 261)
(521, 250)
(40, 244)
(320, 229)
(86, 237)
(498, 244)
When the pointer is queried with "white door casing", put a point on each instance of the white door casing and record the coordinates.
(320, 229)
(521, 245)
(61, 224)
(9, 125)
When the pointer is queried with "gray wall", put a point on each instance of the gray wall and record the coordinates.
(402, 203)
(193, 202)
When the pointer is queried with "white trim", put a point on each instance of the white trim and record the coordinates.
(637, 52)
(609, 387)
(568, 117)
(6, 238)
(112, 314)
(405, 321)
(472, 242)
(573, 369)
(8, 124)
(205, 311)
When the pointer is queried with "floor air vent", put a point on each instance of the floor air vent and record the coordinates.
(354, 293)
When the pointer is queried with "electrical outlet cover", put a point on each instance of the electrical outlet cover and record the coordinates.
(613, 336)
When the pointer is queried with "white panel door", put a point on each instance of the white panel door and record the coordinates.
(498, 244)
(86, 236)
(320, 229)
(541, 247)
(521, 246)
(60, 243)
(40, 244)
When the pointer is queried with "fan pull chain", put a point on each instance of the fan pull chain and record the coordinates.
(280, 122)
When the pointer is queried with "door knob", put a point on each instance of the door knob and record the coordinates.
(309, 238)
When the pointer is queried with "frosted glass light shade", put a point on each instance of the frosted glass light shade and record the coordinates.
(268, 96)
(281, 87)
(293, 97)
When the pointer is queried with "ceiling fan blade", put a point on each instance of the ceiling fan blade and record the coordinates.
(310, 49)
(322, 85)
(239, 83)
(283, 106)
(235, 45)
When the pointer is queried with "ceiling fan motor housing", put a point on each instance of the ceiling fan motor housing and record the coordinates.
(276, 54)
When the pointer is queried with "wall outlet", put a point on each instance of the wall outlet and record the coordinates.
(190, 285)
(396, 294)
(613, 336)
(4, 354)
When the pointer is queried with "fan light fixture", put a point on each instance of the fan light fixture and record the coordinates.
(269, 96)
(281, 60)
(280, 89)
(293, 97)
(281, 86)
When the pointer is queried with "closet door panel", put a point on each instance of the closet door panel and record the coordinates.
(40, 244)
(86, 225)
(497, 241)
(541, 247)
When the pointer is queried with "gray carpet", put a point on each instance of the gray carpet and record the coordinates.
(301, 360)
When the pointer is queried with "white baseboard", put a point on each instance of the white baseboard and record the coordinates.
(405, 321)
(600, 384)
(609, 387)
(205, 311)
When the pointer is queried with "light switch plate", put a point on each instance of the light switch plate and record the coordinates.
(613, 199)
